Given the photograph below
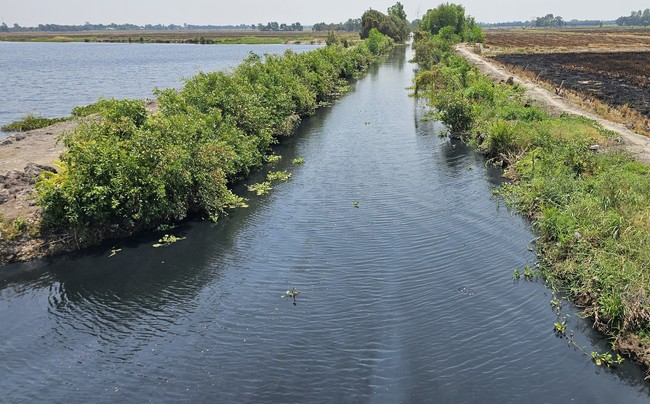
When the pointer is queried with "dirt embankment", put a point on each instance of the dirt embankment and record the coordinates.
(638, 146)
(23, 156)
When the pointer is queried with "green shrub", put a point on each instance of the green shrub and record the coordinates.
(127, 171)
(31, 122)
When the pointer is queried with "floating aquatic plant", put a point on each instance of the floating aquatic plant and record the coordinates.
(237, 202)
(291, 293)
(278, 176)
(298, 160)
(273, 158)
(166, 240)
(261, 188)
(560, 327)
(606, 359)
(356, 204)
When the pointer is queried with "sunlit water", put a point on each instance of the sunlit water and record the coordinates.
(408, 297)
(50, 79)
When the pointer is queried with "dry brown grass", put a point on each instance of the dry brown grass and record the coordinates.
(537, 40)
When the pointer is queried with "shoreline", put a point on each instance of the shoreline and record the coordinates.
(203, 37)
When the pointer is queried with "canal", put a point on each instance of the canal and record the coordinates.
(403, 259)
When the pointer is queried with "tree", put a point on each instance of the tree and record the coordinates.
(452, 16)
(549, 21)
(389, 25)
(4, 28)
(397, 10)
(636, 18)
(447, 14)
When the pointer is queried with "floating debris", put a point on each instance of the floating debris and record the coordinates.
(114, 251)
(356, 204)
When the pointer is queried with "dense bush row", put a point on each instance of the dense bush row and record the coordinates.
(127, 171)
(591, 209)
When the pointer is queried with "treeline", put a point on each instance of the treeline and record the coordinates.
(126, 171)
(590, 210)
(351, 25)
(636, 19)
(120, 27)
(394, 24)
(572, 23)
(274, 26)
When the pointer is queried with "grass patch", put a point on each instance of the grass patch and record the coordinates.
(14, 229)
(31, 122)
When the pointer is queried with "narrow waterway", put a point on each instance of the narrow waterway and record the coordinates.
(405, 296)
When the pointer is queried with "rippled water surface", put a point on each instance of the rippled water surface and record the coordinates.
(406, 298)
(51, 78)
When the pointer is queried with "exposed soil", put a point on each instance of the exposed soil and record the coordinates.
(567, 39)
(618, 79)
(637, 145)
(19, 154)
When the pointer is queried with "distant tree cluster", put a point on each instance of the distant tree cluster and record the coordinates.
(572, 23)
(118, 27)
(274, 26)
(636, 18)
(351, 25)
(548, 21)
(394, 25)
(451, 19)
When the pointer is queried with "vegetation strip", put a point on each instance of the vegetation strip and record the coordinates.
(128, 171)
(590, 206)
(31, 122)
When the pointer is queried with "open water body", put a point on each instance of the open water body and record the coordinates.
(406, 298)
(50, 79)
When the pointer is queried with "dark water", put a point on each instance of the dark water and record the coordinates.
(407, 298)
(51, 78)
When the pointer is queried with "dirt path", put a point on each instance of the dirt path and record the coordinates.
(637, 145)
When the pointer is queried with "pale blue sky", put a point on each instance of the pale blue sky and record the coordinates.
(219, 12)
